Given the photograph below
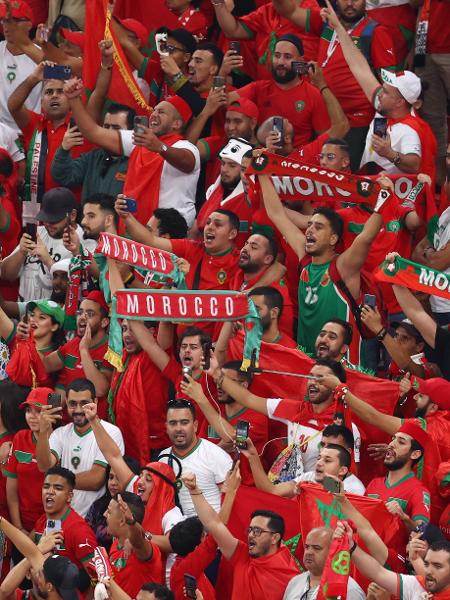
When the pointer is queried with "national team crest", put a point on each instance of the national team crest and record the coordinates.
(364, 188)
(299, 105)
(221, 276)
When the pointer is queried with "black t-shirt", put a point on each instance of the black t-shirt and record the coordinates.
(442, 350)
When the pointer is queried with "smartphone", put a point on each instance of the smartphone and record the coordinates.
(31, 229)
(331, 485)
(131, 204)
(370, 300)
(140, 123)
(190, 585)
(421, 528)
(61, 72)
(300, 67)
(207, 347)
(322, 3)
(380, 126)
(236, 46)
(52, 526)
(54, 399)
(278, 125)
(44, 33)
(218, 82)
(186, 371)
(242, 429)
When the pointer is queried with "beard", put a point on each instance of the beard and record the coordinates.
(229, 186)
(421, 412)
(397, 464)
(286, 78)
(58, 297)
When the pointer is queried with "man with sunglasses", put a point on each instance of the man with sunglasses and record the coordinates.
(263, 567)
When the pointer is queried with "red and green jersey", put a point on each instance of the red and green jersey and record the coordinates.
(22, 465)
(320, 300)
(337, 73)
(130, 572)
(79, 539)
(4, 437)
(69, 354)
(412, 496)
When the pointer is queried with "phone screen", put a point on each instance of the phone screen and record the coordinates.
(380, 126)
(54, 399)
(242, 429)
(331, 485)
(190, 585)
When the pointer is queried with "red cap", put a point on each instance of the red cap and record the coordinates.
(437, 389)
(37, 397)
(19, 10)
(245, 107)
(137, 28)
(413, 429)
(181, 106)
(99, 298)
(75, 37)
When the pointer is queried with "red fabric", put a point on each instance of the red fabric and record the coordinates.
(266, 576)
(25, 366)
(22, 466)
(144, 178)
(4, 438)
(194, 563)
(135, 573)
(79, 539)
(444, 522)
(161, 499)
(9, 237)
(139, 415)
(302, 105)
(159, 16)
(334, 580)
(438, 40)
(397, 19)
(337, 73)
(438, 427)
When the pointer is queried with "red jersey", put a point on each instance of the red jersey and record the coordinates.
(265, 25)
(69, 354)
(309, 153)
(401, 20)
(286, 322)
(438, 39)
(409, 492)
(194, 563)
(337, 73)
(444, 522)
(4, 437)
(79, 539)
(22, 465)
(131, 573)
(139, 415)
(9, 238)
(302, 105)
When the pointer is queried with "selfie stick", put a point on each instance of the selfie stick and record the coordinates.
(257, 370)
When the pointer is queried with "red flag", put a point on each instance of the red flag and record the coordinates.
(158, 16)
(334, 580)
(123, 88)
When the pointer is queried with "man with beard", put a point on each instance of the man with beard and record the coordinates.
(263, 566)
(84, 355)
(138, 414)
(197, 455)
(434, 583)
(223, 429)
(32, 260)
(74, 447)
(334, 340)
(304, 423)
(289, 94)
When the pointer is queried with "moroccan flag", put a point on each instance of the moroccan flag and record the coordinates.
(158, 16)
(334, 580)
(123, 88)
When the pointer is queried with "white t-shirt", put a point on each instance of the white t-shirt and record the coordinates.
(210, 464)
(35, 279)
(403, 139)
(177, 189)
(307, 438)
(78, 453)
(352, 485)
(440, 240)
(14, 70)
(9, 140)
(371, 4)
(410, 588)
(299, 587)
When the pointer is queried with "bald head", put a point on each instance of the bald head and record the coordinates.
(317, 545)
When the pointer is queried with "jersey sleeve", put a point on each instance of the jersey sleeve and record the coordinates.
(249, 91)
(126, 141)
(56, 443)
(314, 23)
(408, 588)
(172, 370)
(253, 22)
(85, 542)
(282, 410)
(222, 464)
(419, 508)
(410, 142)
(10, 470)
(33, 124)
(197, 560)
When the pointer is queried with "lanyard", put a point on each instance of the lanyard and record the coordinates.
(335, 41)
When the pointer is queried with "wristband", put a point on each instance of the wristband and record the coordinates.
(353, 548)
(381, 334)
(340, 392)
(396, 160)
(325, 87)
(105, 67)
(197, 494)
(176, 85)
(177, 76)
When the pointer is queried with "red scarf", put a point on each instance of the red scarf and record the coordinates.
(334, 581)
(444, 595)
(144, 179)
(306, 414)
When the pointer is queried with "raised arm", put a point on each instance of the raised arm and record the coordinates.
(355, 59)
(97, 98)
(44, 456)
(412, 308)
(148, 343)
(136, 535)
(275, 210)
(365, 411)
(210, 519)
(292, 10)
(16, 101)
(137, 231)
(262, 482)
(228, 23)
(339, 124)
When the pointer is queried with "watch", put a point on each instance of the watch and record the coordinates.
(163, 148)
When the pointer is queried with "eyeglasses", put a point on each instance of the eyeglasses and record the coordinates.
(257, 531)
(89, 313)
(171, 49)
(328, 155)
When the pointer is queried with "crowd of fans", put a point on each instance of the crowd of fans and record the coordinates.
(291, 155)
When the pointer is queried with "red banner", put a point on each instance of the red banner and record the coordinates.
(133, 253)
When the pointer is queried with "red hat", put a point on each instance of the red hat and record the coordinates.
(437, 388)
(416, 432)
(99, 298)
(245, 107)
(37, 397)
(181, 106)
(137, 28)
(19, 10)
(75, 37)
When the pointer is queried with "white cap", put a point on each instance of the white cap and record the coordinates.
(407, 83)
(61, 265)
(235, 150)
